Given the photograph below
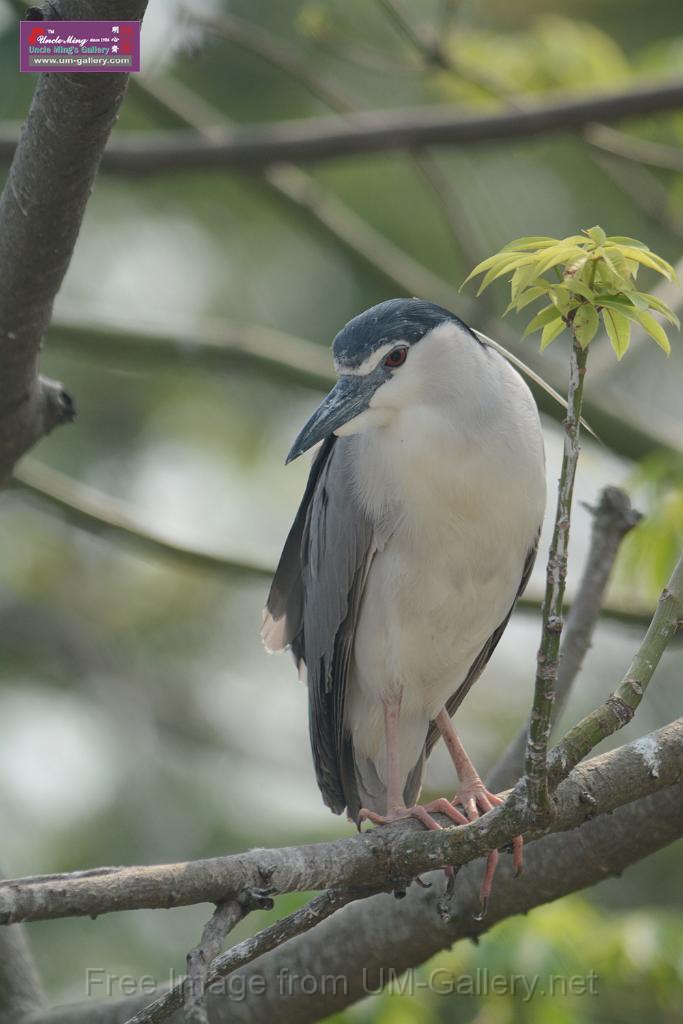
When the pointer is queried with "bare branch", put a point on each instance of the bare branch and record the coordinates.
(101, 514)
(41, 209)
(20, 987)
(429, 49)
(351, 954)
(301, 921)
(326, 138)
(613, 517)
(200, 961)
(377, 859)
(629, 147)
(620, 706)
(633, 433)
(548, 653)
(276, 51)
(209, 343)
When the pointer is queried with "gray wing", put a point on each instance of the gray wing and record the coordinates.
(313, 608)
(480, 662)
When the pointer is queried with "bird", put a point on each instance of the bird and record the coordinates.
(416, 534)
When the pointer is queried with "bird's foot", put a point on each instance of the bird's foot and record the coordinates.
(424, 814)
(476, 799)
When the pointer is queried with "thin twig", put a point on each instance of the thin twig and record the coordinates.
(548, 654)
(275, 51)
(300, 921)
(278, 53)
(640, 151)
(213, 343)
(613, 517)
(430, 50)
(101, 514)
(642, 188)
(619, 708)
(89, 509)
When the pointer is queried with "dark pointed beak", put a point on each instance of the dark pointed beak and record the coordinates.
(348, 398)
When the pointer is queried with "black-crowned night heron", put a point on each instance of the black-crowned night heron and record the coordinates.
(416, 534)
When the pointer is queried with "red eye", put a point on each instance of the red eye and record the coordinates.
(397, 357)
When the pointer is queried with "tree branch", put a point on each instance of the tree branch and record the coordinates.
(629, 147)
(381, 858)
(298, 923)
(548, 654)
(620, 706)
(89, 509)
(326, 138)
(98, 513)
(613, 517)
(351, 955)
(20, 987)
(200, 967)
(41, 209)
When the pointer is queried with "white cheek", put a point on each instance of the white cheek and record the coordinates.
(364, 421)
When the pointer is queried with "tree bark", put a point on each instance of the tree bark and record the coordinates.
(41, 209)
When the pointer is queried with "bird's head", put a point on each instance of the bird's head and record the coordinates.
(382, 363)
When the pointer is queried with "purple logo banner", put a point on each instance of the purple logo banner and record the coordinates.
(79, 46)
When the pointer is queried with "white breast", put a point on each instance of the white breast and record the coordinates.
(462, 477)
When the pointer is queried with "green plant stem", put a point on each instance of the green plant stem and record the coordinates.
(548, 653)
(620, 706)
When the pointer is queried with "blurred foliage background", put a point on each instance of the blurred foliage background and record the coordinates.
(142, 720)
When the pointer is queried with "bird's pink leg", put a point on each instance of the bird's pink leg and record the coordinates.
(474, 797)
(396, 807)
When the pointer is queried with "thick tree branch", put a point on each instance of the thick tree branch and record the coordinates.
(20, 987)
(41, 209)
(362, 944)
(379, 858)
(613, 517)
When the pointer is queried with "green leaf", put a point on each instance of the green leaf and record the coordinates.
(491, 261)
(619, 301)
(530, 242)
(648, 259)
(551, 331)
(597, 235)
(556, 255)
(618, 329)
(616, 262)
(625, 240)
(510, 263)
(585, 324)
(580, 287)
(522, 299)
(545, 316)
(654, 329)
(661, 307)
